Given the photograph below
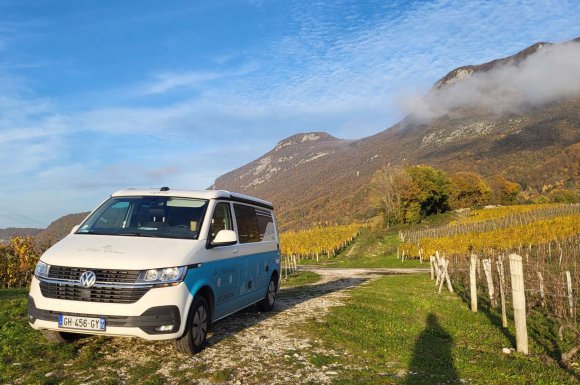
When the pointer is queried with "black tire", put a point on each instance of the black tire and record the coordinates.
(267, 304)
(56, 337)
(198, 323)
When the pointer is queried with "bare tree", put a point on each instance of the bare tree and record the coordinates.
(389, 187)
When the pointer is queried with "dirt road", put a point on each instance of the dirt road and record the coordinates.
(256, 348)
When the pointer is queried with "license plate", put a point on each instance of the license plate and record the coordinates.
(83, 323)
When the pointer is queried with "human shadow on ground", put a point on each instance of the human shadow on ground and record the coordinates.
(432, 360)
(286, 300)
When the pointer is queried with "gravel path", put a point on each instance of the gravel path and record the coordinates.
(256, 348)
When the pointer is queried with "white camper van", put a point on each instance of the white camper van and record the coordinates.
(160, 265)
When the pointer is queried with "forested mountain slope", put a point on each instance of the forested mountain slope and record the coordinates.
(488, 118)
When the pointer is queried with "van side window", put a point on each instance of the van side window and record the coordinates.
(221, 219)
(265, 225)
(247, 223)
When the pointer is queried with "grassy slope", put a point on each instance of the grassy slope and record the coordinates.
(377, 247)
(372, 248)
(397, 330)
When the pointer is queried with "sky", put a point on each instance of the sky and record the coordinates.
(96, 96)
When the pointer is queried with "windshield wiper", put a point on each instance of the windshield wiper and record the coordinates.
(172, 236)
(91, 232)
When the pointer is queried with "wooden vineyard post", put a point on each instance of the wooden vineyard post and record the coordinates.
(449, 286)
(473, 282)
(441, 273)
(570, 294)
(489, 278)
(519, 302)
(444, 275)
(431, 263)
(542, 293)
(437, 268)
(499, 266)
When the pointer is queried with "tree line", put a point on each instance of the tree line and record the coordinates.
(409, 194)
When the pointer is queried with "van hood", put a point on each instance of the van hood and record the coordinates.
(121, 252)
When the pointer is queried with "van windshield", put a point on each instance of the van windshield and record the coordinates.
(147, 216)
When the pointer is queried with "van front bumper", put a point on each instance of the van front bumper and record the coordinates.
(139, 319)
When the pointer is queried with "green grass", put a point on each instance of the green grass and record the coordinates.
(26, 357)
(222, 375)
(299, 278)
(372, 248)
(23, 351)
(146, 374)
(398, 330)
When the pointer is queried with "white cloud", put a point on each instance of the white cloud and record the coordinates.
(168, 81)
(549, 75)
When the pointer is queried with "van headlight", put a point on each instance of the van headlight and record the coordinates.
(166, 275)
(41, 269)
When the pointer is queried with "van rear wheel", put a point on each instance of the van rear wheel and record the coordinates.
(267, 304)
(197, 327)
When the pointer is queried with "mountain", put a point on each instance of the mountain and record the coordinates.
(59, 228)
(6, 234)
(518, 116)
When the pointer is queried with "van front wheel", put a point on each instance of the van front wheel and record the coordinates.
(56, 337)
(197, 327)
(267, 304)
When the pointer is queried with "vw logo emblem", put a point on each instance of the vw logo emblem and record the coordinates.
(88, 279)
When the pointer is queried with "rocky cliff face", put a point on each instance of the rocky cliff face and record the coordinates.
(315, 178)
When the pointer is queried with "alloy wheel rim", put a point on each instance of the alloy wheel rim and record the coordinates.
(199, 327)
(271, 293)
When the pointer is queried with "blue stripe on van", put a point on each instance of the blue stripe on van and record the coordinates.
(236, 282)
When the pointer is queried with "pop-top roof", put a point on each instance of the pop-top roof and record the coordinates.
(202, 194)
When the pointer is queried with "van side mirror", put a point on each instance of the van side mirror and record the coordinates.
(74, 229)
(224, 238)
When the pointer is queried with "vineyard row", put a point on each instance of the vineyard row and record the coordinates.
(487, 220)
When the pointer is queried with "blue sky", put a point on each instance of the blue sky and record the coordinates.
(100, 95)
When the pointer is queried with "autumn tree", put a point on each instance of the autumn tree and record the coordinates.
(562, 195)
(17, 261)
(434, 189)
(468, 189)
(503, 191)
(406, 195)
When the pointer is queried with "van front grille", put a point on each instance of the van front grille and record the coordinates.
(94, 294)
(103, 275)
